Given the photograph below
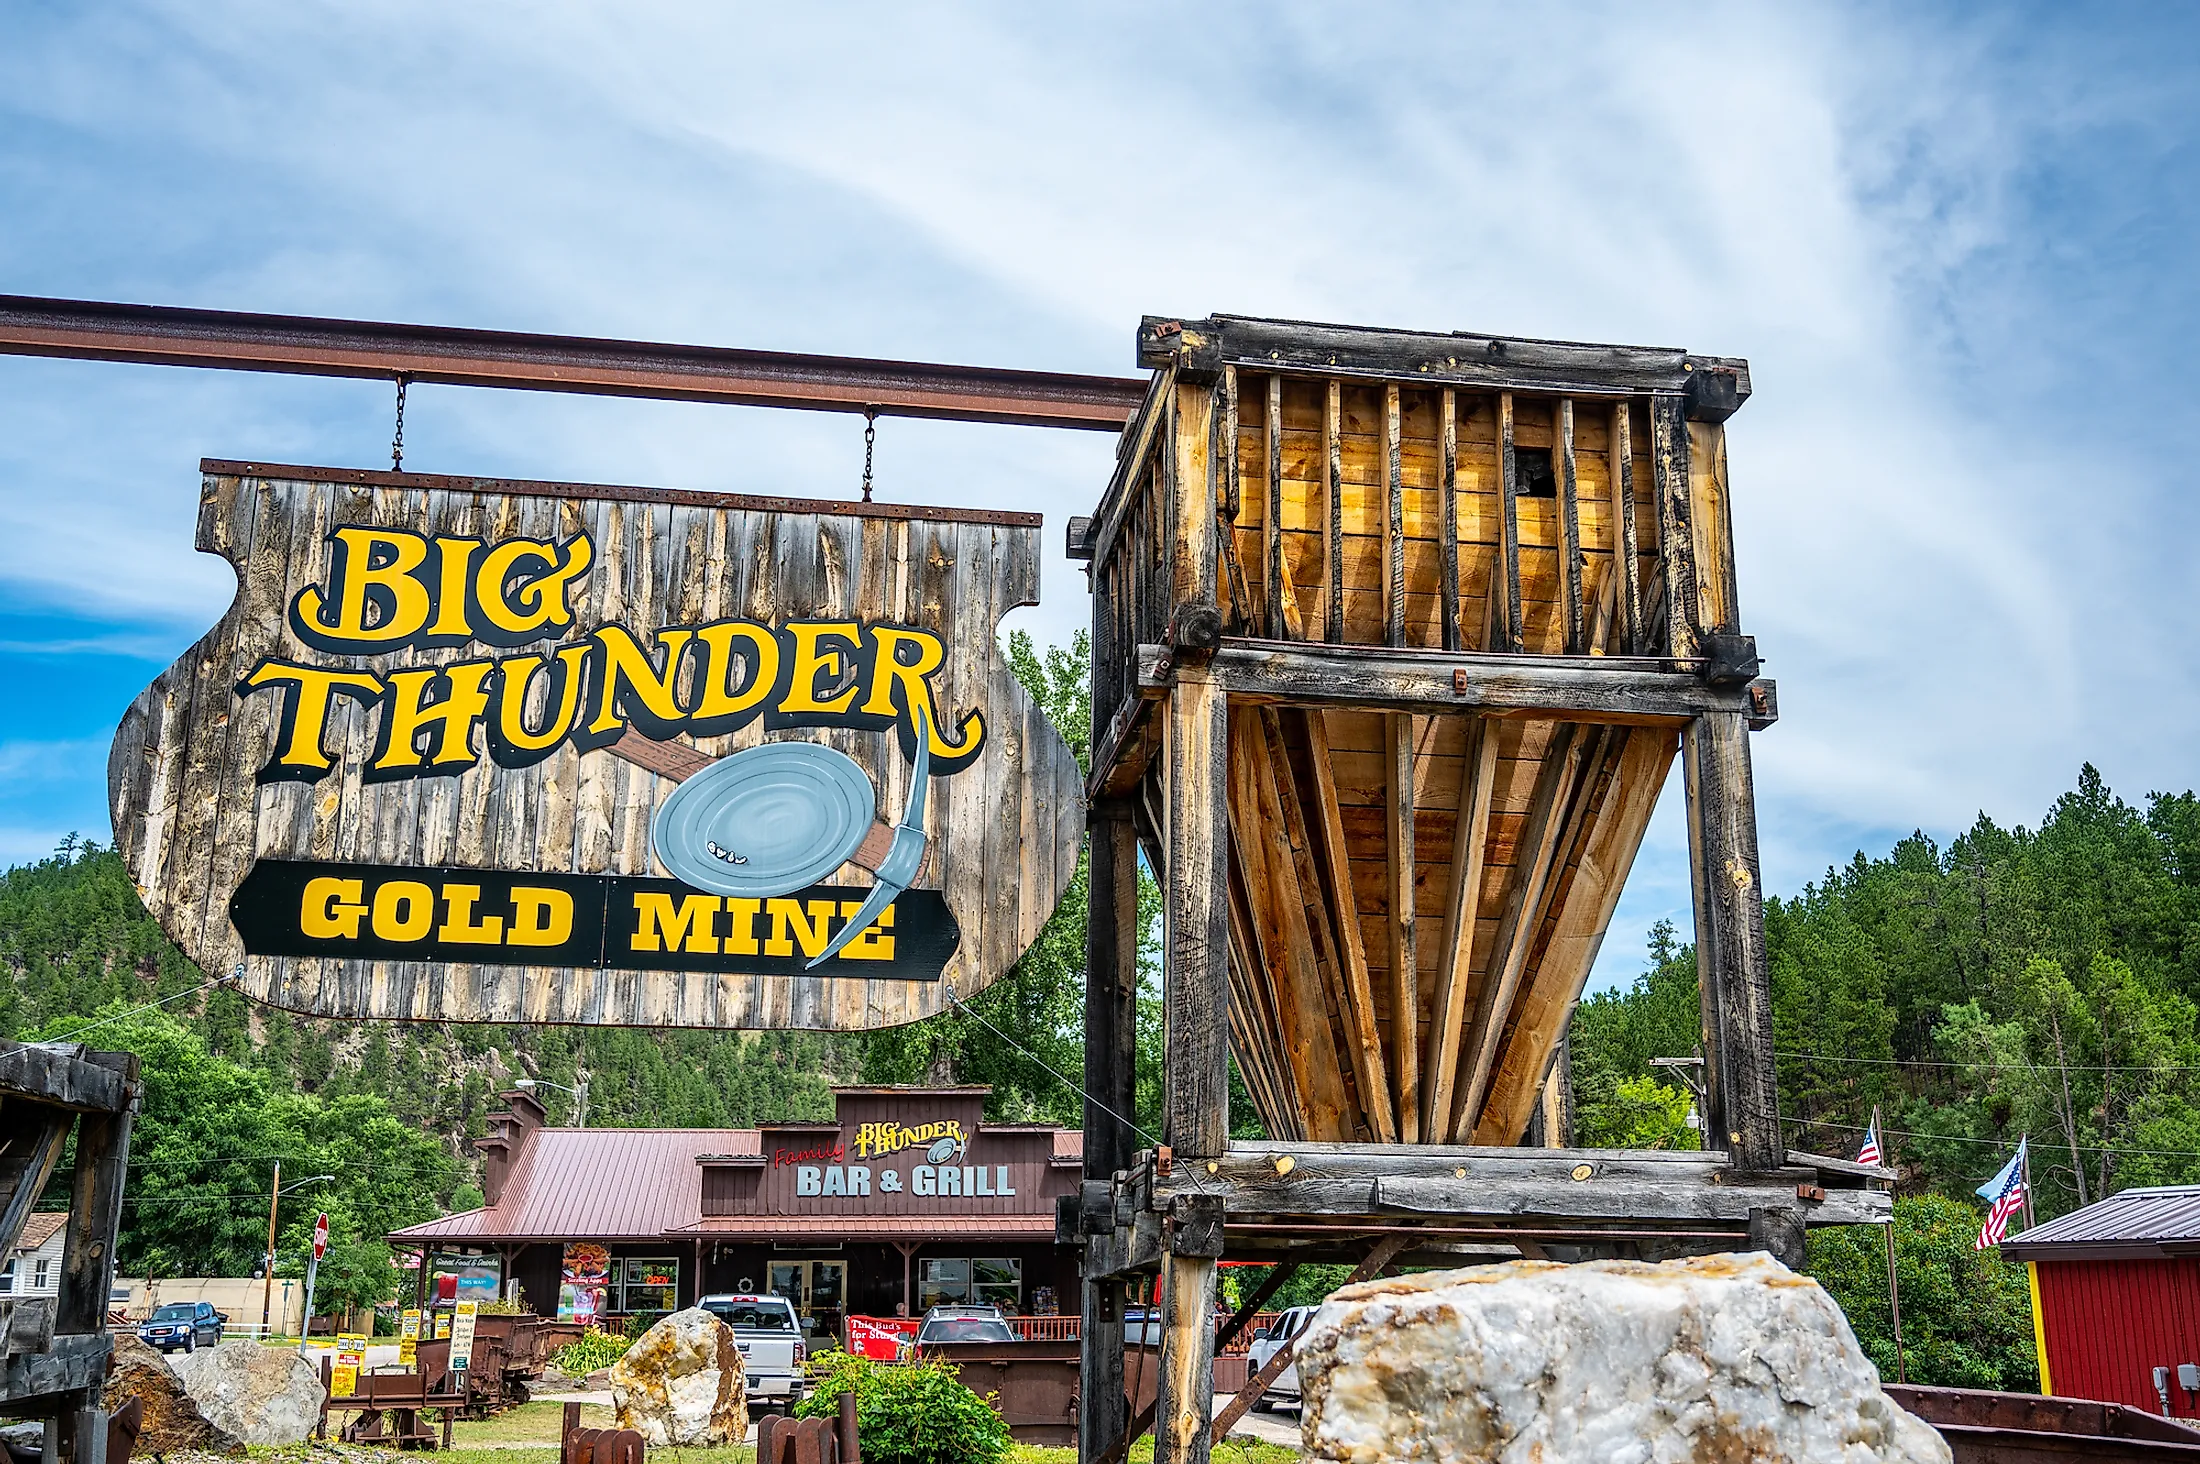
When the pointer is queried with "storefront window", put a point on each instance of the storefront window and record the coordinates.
(943, 1283)
(980, 1281)
(998, 1282)
(649, 1285)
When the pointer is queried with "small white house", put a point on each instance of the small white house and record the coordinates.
(32, 1267)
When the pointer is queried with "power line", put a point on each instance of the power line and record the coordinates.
(74, 1034)
(2051, 1067)
(2046, 1141)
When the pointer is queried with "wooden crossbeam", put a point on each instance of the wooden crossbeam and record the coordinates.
(1615, 690)
(1386, 1250)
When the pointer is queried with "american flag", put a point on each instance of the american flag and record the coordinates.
(2006, 1192)
(1870, 1154)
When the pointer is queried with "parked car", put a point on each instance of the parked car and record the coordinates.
(189, 1325)
(964, 1324)
(1283, 1391)
(769, 1335)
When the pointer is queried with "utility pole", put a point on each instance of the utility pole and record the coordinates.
(267, 1288)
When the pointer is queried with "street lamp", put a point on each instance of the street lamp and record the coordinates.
(267, 1288)
(579, 1092)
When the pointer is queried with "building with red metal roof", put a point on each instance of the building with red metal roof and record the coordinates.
(906, 1199)
(2116, 1299)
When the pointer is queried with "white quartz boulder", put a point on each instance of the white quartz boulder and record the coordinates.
(683, 1382)
(1715, 1358)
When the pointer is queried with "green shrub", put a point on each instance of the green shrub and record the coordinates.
(641, 1322)
(594, 1350)
(907, 1412)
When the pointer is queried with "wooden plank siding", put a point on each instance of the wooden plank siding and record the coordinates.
(1417, 897)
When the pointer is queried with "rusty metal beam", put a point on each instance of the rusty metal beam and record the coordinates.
(300, 345)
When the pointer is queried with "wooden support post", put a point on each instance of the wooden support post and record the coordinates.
(1333, 509)
(1730, 942)
(1569, 530)
(1505, 585)
(1620, 466)
(1185, 1389)
(95, 1212)
(1447, 519)
(1405, 986)
(1394, 523)
(1111, 1018)
(1275, 568)
(1463, 904)
(1676, 535)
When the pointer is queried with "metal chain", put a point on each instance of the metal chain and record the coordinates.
(397, 442)
(870, 441)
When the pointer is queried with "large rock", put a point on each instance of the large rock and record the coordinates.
(682, 1382)
(1716, 1359)
(172, 1422)
(262, 1395)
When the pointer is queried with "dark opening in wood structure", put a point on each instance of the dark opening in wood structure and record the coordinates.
(1396, 639)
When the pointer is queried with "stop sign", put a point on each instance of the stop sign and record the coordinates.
(320, 1237)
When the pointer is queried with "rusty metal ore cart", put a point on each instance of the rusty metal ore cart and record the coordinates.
(1396, 638)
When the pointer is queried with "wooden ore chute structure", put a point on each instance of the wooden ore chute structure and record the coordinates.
(1396, 639)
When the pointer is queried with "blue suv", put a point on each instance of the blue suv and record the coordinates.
(189, 1325)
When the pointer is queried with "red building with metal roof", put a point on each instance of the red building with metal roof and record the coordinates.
(906, 1199)
(2116, 1296)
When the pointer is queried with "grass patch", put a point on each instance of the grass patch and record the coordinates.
(530, 1423)
(1237, 1450)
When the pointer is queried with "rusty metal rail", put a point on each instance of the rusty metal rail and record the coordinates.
(2020, 1428)
(301, 345)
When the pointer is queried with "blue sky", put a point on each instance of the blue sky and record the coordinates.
(1954, 244)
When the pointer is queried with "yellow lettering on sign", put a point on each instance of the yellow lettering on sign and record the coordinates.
(813, 933)
(720, 707)
(404, 910)
(459, 925)
(903, 688)
(448, 721)
(544, 598)
(741, 937)
(370, 579)
(511, 742)
(814, 660)
(874, 944)
(659, 925)
(630, 688)
(540, 917)
(299, 753)
(331, 908)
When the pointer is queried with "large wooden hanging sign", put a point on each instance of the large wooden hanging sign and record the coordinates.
(476, 750)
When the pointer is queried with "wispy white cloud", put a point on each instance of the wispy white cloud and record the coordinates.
(1943, 570)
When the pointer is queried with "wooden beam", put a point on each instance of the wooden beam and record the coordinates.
(1363, 1037)
(1470, 838)
(1533, 865)
(1614, 690)
(1394, 523)
(1447, 496)
(1285, 954)
(1712, 512)
(1676, 533)
(1333, 505)
(36, 1135)
(1111, 1037)
(1545, 1005)
(1184, 1395)
(95, 1208)
(1569, 529)
(1622, 471)
(1405, 986)
(1279, 591)
(1256, 1028)
(1648, 1188)
(1384, 1252)
(1505, 588)
(1440, 358)
(1730, 940)
(54, 1074)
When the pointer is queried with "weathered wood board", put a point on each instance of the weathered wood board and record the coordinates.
(733, 621)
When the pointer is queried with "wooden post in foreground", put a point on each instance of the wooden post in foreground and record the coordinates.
(1111, 1030)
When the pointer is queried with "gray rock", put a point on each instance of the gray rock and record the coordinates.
(261, 1395)
(172, 1423)
(1611, 1362)
(683, 1382)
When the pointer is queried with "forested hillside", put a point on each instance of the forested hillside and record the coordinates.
(2041, 982)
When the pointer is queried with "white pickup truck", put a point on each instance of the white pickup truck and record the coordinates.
(769, 1335)
(1283, 1389)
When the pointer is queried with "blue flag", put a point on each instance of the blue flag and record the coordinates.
(2011, 1173)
